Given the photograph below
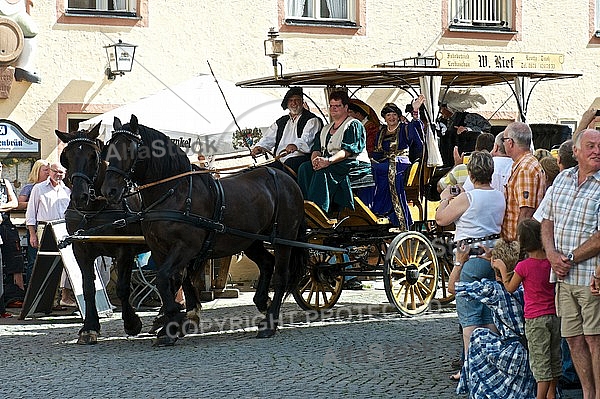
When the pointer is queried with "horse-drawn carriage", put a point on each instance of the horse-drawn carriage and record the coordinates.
(416, 264)
(188, 217)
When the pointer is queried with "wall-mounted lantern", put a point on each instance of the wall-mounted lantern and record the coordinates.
(120, 59)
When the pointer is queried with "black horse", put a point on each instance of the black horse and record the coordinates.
(188, 214)
(89, 212)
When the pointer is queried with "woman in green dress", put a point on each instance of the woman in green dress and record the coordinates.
(339, 149)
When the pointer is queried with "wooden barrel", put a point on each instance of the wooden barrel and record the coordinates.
(11, 41)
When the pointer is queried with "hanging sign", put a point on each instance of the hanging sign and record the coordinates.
(486, 60)
(15, 142)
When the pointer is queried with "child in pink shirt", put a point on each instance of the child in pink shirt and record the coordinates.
(542, 326)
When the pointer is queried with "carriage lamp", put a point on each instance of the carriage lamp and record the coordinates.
(120, 59)
(274, 48)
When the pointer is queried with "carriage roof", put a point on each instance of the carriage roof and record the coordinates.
(400, 76)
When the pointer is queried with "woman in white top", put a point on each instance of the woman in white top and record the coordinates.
(478, 216)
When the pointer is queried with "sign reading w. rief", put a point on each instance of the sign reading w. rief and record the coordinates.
(496, 60)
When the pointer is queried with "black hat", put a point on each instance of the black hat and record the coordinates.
(390, 107)
(293, 91)
(353, 105)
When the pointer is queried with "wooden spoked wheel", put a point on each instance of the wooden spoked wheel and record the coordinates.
(410, 273)
(321, 286)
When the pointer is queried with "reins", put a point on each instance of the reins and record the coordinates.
(203, 171)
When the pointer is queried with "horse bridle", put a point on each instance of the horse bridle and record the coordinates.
(138, 143)
(89, 180)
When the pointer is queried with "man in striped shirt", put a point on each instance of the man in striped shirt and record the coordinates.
(571, 237)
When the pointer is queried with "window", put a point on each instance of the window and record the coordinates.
(326, 12)
(481, 15)
(571, 123)
(102, 7)
(103, 12)
(597, 19)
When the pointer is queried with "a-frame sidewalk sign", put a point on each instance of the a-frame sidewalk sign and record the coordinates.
(46, 274)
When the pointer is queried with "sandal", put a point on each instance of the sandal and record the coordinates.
(455, 377)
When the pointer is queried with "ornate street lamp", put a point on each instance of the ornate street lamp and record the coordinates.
(120, 59)
(274, 48)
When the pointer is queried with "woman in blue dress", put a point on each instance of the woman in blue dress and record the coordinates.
(397, 146)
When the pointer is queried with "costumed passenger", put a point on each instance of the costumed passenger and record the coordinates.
(292, 134)
(458, 128)
(17, 10)
(368, 117)
(397, 146)
(339, 149)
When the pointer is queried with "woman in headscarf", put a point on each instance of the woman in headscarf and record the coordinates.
(397, 145)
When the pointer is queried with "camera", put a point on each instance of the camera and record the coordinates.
(476, 250)
(454, 190)
(598, 112)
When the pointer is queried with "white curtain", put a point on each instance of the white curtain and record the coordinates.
(338, 9)
(102, 5)
(295, 8)
(120, 5)
(430, 88)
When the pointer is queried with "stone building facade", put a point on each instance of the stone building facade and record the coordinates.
(176, 38)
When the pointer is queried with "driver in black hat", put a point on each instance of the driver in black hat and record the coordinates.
(292, 134)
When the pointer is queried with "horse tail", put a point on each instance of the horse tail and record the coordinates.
(298, 261)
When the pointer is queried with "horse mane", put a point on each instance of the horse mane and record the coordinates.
(166, 158)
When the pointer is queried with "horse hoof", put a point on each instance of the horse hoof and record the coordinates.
(163, 341)
(87, 338)
(133, 328)
(265, 333)
(157, 324)
(193, 316)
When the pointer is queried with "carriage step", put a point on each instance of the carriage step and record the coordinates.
(227, 293)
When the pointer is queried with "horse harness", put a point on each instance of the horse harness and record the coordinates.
(90, 181)
(215, 224)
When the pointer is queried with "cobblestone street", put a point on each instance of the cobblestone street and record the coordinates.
(361, 349)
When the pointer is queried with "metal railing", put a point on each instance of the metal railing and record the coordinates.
(481, 13)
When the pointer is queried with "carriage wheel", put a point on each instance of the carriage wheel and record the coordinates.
(321, 286)
(410, 273)
(446, 266)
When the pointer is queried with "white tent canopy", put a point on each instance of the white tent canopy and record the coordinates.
(195, 116)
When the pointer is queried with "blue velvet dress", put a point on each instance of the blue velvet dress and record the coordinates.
(402, 147)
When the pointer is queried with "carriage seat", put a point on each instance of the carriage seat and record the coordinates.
(316, 218)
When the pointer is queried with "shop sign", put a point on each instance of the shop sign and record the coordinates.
(15, 142)
(489, 60)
